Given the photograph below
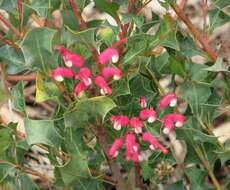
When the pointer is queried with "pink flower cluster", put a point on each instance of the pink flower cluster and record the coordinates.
(135, 126)
(84, 75)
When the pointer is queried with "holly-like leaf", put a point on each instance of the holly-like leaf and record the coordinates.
(13, 59)
(71, 37)
(196, 178)
(195, 95)
(41, 7)
(18, 97)
(120, 87)
(218, 66)
(108, 7)
(166, 33)
(41, 132)
(75, 169)
(89, 112)
(37, 48)
(45, 90)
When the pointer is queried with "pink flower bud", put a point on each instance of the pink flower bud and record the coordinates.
(61, 72)
(85, 76)
(178, 119)
(143, 102)
(107, 55)
(131, 147)
(102, 84)
(119, 121)
(168, 125)
(112, 72)
(70, 58)
(79, 88)
(136, 123)
(168, 100)
(113, 151)
(148, 114)
(154, 142)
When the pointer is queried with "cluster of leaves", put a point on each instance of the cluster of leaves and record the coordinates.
(205, 88)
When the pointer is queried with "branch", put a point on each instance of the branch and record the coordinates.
(10, 26)
(99, 131)
(205, 44)
(20, 11)
(29, 77)
(77, 14)
(8, 42)
(28, 170)
(142, 7)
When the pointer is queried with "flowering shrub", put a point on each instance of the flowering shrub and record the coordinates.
(127, 105)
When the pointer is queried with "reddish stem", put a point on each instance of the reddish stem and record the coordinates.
(10, 26)
(99, 131)
(205, 44)
(142, 7)
(20, 11)
(8, 42)
(77, 14)
(29, 77)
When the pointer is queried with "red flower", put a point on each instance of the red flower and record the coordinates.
(168, 125)
(170, 99)
(102, 84)
(177, 118)
(107, 55)
(136, 123)
(61, 72)
(70, 58)
(112, 72)
(131, 147)
(119, 121)
(154, 142)
(113, 151)
(85, 76)
(143, 102)
(148, 114)
(80, 87)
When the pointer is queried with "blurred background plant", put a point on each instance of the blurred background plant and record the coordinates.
(50, 139)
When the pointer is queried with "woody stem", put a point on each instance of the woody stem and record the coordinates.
(100, 132)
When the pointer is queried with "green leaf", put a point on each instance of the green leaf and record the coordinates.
(176, 186)
(197, 72)
(219, 66)
(6, 140)
(25, 182)
(6, 169)
(89, 184)
(89, 111)
(217, 18)
(75, 169)
(69, 19)
(41, 7)
(120, 87)
(166, 33)
(9, 5)
(4, 93)
(196, 178)
(195, 95)
(146, 170)
(198, 136)
(86, 37)
(45, 90)
(108, 7)
(41, 132)
(37, 48)
(13, 59)
(18, 97)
